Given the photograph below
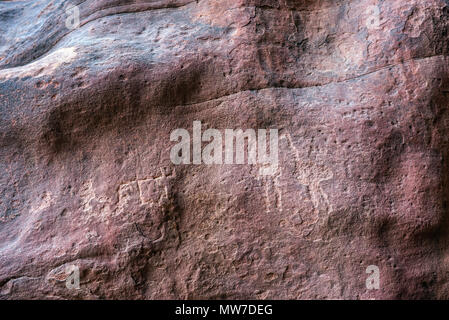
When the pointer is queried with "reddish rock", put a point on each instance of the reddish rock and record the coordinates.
(358, 90)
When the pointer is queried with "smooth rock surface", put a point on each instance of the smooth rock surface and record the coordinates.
(361, 104)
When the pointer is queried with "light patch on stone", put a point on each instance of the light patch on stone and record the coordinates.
(45, 202)
(352, 51)
(87, 195)
(44, 66)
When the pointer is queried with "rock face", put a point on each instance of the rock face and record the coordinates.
(359, 91)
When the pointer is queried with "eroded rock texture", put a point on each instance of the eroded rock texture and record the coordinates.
(358, 89)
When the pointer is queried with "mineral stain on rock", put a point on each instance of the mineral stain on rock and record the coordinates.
(357, 89)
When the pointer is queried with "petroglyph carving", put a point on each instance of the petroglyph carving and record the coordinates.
(148, 191)
(311, 174)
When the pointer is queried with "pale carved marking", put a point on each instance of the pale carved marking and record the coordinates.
(308, 173)
(273, 192)
(127, 193)
(148, 191)
(46, 200)
(311, 174)
(95, 207)
(87, 194)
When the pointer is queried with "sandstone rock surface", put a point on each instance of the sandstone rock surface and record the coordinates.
(358, 89)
